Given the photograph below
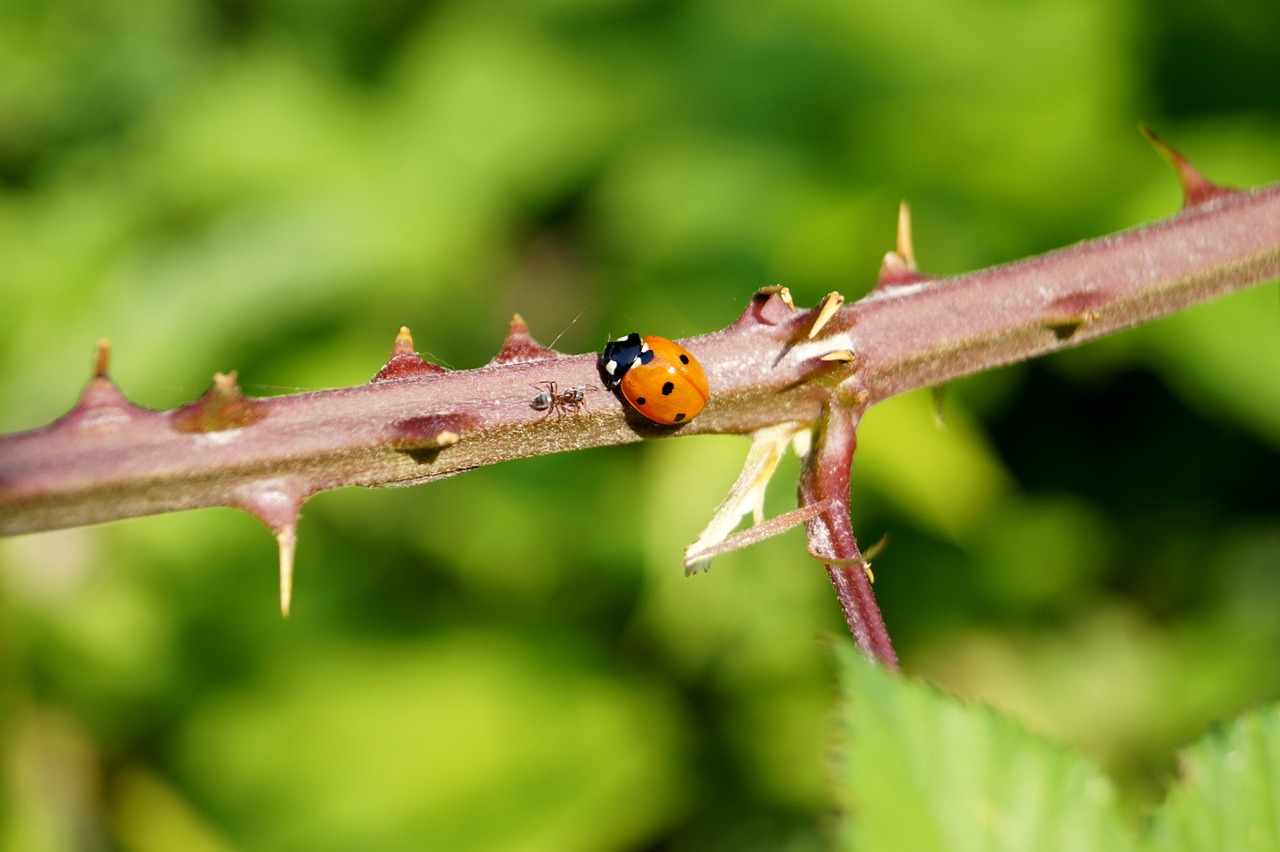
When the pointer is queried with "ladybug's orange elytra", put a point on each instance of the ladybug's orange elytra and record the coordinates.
(660, 378)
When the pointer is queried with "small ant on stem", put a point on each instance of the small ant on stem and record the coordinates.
(552, 399)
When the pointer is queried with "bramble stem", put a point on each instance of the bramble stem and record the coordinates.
(821, 369)
(826, 479)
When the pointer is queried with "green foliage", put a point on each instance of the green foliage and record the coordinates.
(604, 744)
(1229, 795)
(922, 771)
(277, 186)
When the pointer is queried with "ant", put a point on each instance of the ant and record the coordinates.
(552, 399)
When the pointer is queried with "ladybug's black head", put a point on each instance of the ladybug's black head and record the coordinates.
(619, 356)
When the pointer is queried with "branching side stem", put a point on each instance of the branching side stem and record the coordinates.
(825, 479)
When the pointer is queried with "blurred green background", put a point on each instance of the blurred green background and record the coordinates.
(275, 186)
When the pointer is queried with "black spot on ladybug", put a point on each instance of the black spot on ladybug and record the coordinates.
(668, 388)
(684, 359)
(679, 417)
(640, 400)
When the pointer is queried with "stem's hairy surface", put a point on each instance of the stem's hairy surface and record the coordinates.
(774, 368)
(969, 323)
(108, 459)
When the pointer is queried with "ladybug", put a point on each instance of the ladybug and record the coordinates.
(660, 379)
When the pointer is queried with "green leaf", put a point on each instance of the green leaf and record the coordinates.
(1229, 797)
(922, 771)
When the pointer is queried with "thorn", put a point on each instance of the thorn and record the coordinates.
(840, 355)
(519, 346)
(404, 343)
(102, 359)
(826, 311)
(876, 549)
(905, 248)
(782, 292)
(277, 503)
(1196, 188)
(871, 553)
(898, 269)
(894, 272)
(221, 407)
(101, 404)
(405, 362)
(768, 306)
(862, 561)
(287, 539)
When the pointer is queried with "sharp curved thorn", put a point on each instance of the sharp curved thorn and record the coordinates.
(405, 362)
(895, 272)
(404, 343)
(871, 553)
(843, 355)
(898, 269)
(876, 549)
(224, 391)
(769, 306)
(102, 359)
(519, 345)
(277, 503)
(287, 539)
(223, 406)
(826, 311)
(905, 248)
(1196, 188)
(779, 290)
(101, 404)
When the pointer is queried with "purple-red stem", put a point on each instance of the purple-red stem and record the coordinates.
(415, 422)
(826, 478)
